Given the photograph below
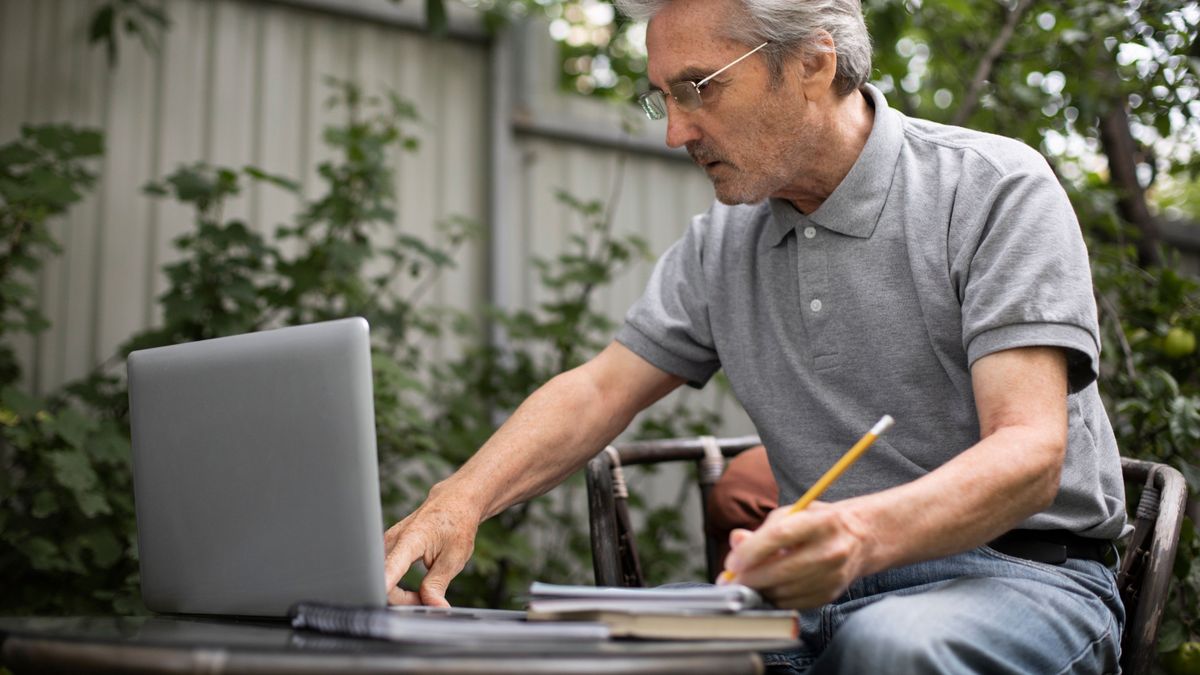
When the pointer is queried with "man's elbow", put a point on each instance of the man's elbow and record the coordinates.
(1048, 454)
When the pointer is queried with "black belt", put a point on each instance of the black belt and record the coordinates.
(1051, 546)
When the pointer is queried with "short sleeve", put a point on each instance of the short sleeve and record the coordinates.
(1026, 281)
(669, 325)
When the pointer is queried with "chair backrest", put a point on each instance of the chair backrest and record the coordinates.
(1143, 580)
(614, 549)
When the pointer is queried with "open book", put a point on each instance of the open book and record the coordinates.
(731, 612)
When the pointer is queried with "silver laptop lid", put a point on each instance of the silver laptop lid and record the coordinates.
(255, 473)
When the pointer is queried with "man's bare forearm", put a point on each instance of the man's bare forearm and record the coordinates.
(550, 435)
(557, 429)
(990, 488)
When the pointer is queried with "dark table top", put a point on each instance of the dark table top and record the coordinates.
(186, 645)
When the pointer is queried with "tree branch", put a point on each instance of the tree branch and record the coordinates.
(1110, 308)
(1117, 142)
(984, 70)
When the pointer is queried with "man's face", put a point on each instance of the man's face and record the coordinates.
(751, 138)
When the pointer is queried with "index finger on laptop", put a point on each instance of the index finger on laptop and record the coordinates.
(399, 559)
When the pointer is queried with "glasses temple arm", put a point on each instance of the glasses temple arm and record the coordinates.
(734, 63)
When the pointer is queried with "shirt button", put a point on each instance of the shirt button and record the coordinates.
(810, 232)
(815, 305)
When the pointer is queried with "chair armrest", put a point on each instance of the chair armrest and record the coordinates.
(602, 521)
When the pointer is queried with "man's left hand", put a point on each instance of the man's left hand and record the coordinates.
(800, 560)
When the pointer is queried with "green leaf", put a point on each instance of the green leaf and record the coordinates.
(88, 143)
(1191, 473)
(16, 153)
(71, 426)
(50, 189)
(42, 554)
(1171, 635)
(93, 503)
(19, 402)
(1184, 421)
(35, 322)
(73, 471)
(101, 28)
(274, 179)
(155, 190)
(103, 546)
(435, 17)
(44, 504)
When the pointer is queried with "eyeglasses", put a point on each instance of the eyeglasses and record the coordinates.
(686, 93)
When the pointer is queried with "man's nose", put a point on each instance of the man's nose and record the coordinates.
(681, 128)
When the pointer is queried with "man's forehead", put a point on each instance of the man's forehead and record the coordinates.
(684, 41)
(678, 65)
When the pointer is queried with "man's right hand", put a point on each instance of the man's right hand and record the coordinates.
(441, 533)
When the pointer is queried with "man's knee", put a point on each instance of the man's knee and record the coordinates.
(975, 625)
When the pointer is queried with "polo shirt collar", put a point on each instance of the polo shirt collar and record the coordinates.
(854, 207)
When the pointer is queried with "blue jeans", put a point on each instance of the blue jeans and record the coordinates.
(975, 612)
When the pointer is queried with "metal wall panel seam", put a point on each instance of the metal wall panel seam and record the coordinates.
(210, 83)
(25, 346)
(306, 117)
(464, 24)
(501, 160)
(564, 129)
(47, 98)
(153, 213)
(257, 132)
(101, 231)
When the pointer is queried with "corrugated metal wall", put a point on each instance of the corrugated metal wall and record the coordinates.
(239, 82)
(235, 83)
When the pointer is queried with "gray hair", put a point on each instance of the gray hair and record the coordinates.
(792, 27)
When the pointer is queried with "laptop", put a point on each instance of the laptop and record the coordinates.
(255, 473)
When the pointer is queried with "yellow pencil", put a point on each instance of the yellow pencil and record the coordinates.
(834, 472)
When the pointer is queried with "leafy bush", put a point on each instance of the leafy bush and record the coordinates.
(1152, 391)
(66, 509)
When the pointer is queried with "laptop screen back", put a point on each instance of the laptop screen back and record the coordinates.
(255, 471)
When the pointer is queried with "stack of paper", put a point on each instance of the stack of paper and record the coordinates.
(730, 612)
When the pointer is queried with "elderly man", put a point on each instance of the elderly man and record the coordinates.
(856, 262)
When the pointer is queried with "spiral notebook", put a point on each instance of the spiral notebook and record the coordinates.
(429, 625)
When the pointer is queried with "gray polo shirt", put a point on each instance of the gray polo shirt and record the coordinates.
(942, 245)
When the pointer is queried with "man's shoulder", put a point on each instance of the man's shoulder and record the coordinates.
(979, 152)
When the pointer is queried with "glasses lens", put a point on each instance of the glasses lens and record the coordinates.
(654, 104)
(686, 95)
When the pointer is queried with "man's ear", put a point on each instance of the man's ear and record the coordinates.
(818, 67)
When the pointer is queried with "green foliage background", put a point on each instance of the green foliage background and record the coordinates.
(1071, 79)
